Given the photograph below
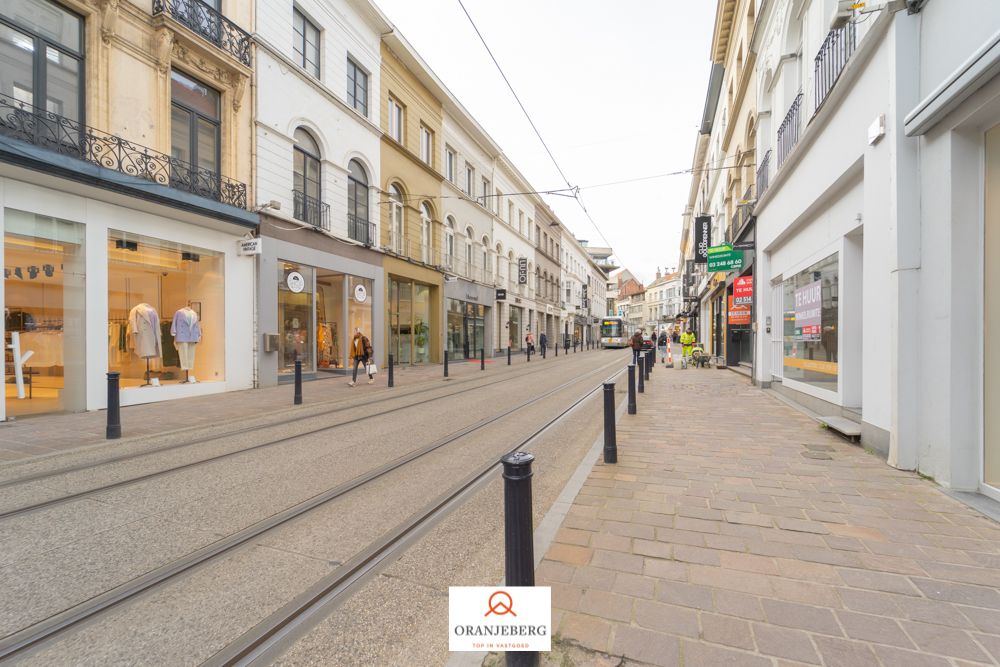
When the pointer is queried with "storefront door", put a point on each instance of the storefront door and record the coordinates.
(409, 321)
(295, 317)
(514, 327)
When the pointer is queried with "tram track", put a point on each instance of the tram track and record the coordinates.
(59, 500)
(40, 633)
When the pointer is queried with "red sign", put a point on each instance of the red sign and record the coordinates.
(743, 291)
(738, 315)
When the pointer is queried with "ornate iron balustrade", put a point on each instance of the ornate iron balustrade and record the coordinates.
(788, 131)
(360, 230)
(311, 210)
(831, 60)
(67, 137)
(764, 175)
(210, 24)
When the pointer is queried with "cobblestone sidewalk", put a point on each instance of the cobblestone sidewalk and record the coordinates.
(734, 531)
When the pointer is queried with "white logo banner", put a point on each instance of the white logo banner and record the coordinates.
(512, 618)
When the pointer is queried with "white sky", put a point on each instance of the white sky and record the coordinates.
(616, 89)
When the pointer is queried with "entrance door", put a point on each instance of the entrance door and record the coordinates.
(991, 314)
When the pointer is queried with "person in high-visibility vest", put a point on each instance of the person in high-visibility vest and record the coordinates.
(687, 341)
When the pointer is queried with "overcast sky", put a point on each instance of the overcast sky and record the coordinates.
(616, 89)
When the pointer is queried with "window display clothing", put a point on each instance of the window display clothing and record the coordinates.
(186, 330)
(144, 331)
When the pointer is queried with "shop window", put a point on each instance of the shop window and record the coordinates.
(360, 300)
(811, 314)
(330, 331)
(45, 308)
(295, 316)
(166, 311)
(409, 321)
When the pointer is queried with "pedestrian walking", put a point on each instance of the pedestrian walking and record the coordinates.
(543, 340)
(662, 343)
(361, 353)
(687, 342)
(636, 344)
(529, 342)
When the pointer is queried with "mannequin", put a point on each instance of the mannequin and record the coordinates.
(186, 330)
(144, 337)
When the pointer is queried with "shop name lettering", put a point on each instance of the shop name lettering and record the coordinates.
(471, 297)
(703, 242)
(808, 297)
(501, 630)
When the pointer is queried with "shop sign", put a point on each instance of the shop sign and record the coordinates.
(469, 296)
(360, 293)
(501, 295)
(702, 234)
(522, 271)
(247, 247)
(743, 245)
(743, 291)
(296, 283)
(809, 309)
(738, 315)
(724, 258)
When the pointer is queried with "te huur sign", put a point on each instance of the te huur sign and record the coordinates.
(724, 258)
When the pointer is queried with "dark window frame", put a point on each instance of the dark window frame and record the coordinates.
(193, 117)
(352, 202)
(353, 69)
(306, 157)
(306, 24)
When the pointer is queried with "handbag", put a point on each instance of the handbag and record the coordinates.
(372, 369)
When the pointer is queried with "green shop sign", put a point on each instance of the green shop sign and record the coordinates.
(724, 258)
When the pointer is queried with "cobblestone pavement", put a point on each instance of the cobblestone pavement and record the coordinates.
(734, 531)
(42, 435)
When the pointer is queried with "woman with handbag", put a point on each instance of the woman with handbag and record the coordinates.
(362, 353)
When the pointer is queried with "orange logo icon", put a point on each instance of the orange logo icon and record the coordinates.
(498, 606)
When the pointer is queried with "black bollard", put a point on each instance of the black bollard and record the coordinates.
(297, 400)
(391, 383)
(446, 363)
(114, 428)
(557, 348)
(646, 364)
(543, 351)
(642, 374)
(482, 358)
(508, 355)
(631, 389)
(519, 558)
(610, 441)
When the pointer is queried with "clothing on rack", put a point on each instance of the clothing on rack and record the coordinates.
(117, 341)
(144, 331)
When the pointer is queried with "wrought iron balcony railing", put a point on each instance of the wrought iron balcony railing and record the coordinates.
(67, 137)
(311, 210)
(763, 175)
(360, 230)
(831, 59)
(788, 131)
(210, 24)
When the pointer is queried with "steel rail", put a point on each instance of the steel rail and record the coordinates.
(38, 633)
(270, 443)
(263, 643)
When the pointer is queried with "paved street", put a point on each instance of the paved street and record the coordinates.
(735, 531)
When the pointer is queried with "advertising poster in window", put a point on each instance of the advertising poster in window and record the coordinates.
(739, 315)
(811, 305)
(808, 311)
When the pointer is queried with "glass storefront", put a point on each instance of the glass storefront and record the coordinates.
(44, 314)
(166, 311)
(295, 316)
(514, 327)
(360, 298)
(466, 329)
(810, 324)
(329, 313)
(409, 321)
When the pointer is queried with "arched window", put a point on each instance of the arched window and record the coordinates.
(511, 268)
(396, 218)
(499, 267)
(449, 241)
(469, 256)
(487, 265)
(358, 226)
(426, 222)
(306, 181)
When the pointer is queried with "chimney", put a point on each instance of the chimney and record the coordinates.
(657, 273)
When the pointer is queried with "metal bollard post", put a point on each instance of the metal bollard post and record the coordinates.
(446, 363)
(297, 400)
(610, 440)
(631, 389)
(646, 364)
(642, 374)
(508, 355)
(519, 550)
(391, 383)
(557, 348)
(482, 358)
(114, 428)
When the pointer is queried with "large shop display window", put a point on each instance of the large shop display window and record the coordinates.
(166, 311)
(409, 318)
(466, 329)
(295, 316)
(45, 352)
(811, 324)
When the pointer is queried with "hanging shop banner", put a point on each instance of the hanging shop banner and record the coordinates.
(501, 294)
(743, 291)
(522, 271)
(809, 310)
(702, 236)
(248, 247)
(724, 258)
(738, 315)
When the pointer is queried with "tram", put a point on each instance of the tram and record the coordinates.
(613, 332)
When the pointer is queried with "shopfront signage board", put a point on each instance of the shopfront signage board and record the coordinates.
(809, 310)
(296, 283)
(743, 291)
(501, 295)
(247, 247)
(724, 258)
(738, 315)
(743, 245)
(702, 237)
(522, 271)
(360, 293)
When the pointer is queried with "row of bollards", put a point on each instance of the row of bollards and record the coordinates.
(644, 365)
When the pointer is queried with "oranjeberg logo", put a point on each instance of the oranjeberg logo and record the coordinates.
(500, 603)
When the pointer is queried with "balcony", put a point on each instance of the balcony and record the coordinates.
(203, 20)
(312, 211)
(360, 230)
(67, 137)
(789, 130)
(837, 49)
(763, 175)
